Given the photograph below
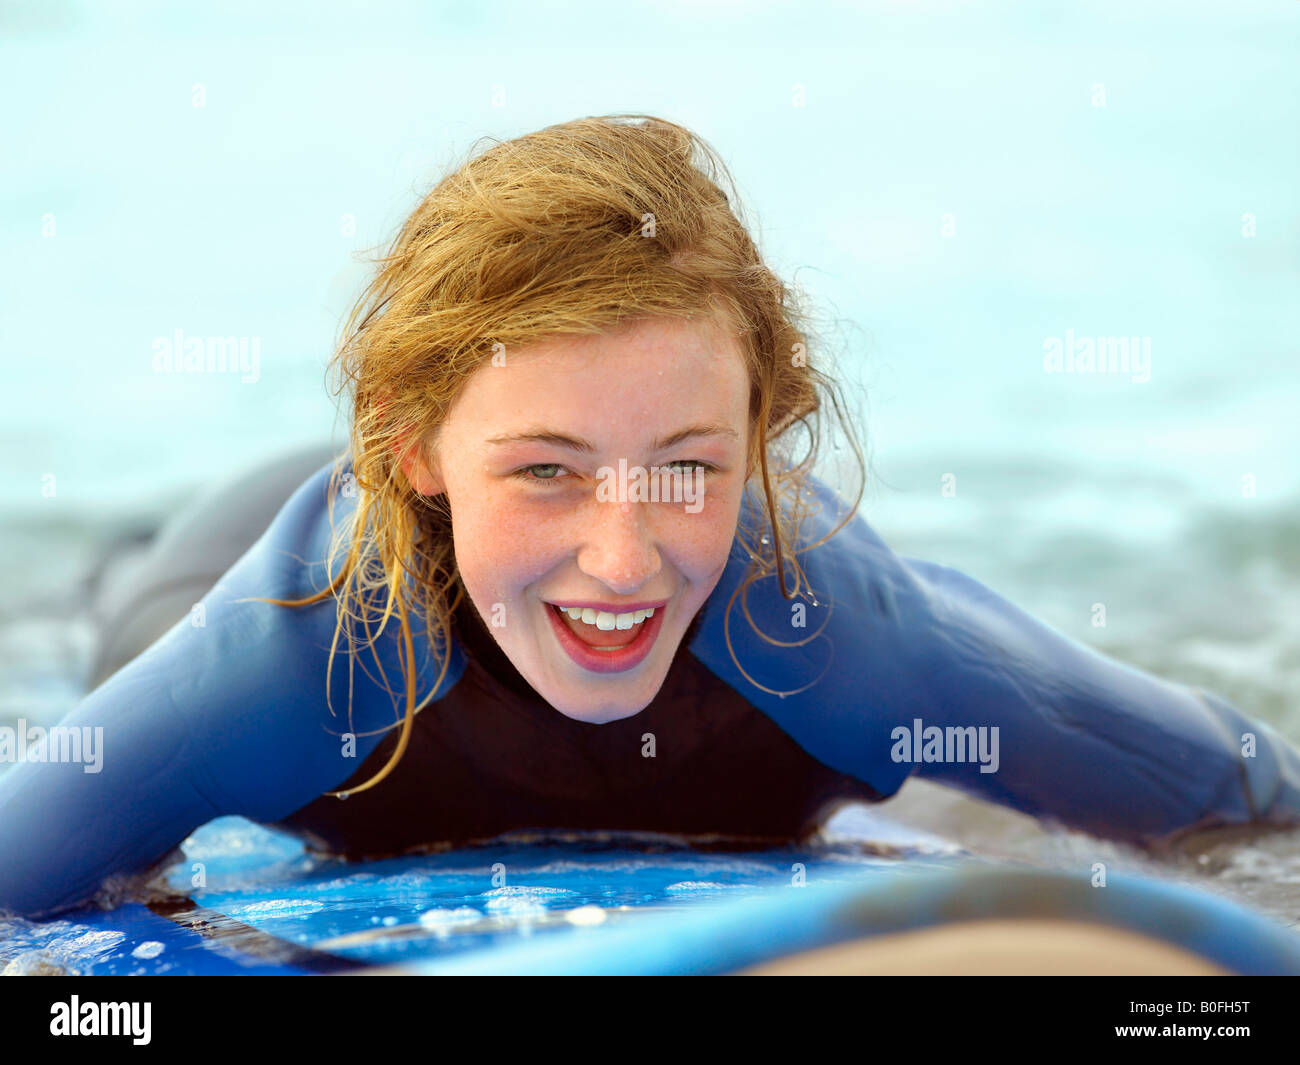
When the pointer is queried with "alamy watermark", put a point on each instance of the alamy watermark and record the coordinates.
(61, 743)
(952, 744)
(1098, 355)
(658, 484)
(102, 1018)
(181, 354)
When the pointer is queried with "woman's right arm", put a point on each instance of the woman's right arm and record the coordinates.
(225, 714)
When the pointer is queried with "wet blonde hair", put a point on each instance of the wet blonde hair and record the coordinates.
(578, 228)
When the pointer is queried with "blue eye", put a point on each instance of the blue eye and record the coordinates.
(523, 474)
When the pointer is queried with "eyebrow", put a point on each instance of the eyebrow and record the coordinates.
(574, 443)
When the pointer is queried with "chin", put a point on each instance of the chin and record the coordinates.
(598, 715)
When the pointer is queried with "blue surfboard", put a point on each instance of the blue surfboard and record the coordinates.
(250, 900)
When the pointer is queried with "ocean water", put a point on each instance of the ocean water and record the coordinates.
(959, 189)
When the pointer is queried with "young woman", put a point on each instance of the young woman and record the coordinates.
(575, 571)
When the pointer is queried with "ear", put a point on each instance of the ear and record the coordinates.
(423, 477)
(411, 457)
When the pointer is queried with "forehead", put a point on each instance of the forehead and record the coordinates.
(651, 369)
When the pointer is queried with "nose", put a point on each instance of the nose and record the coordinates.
(619, 547)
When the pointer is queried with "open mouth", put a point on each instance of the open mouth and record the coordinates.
(603, 642)
(600, 630)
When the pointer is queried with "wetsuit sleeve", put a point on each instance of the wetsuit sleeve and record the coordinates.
(225, 714)
(902, 665)
(1085, 739)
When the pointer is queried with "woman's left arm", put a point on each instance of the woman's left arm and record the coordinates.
(903, 665)
(1086, 739)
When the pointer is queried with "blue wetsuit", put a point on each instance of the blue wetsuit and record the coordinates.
(230, 717)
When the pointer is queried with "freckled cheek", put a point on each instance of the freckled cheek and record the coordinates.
(700, 544)
(502, 547)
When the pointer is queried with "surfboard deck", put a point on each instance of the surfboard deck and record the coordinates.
(247, 898)
(250, 900)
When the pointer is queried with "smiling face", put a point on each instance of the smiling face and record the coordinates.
(524, 457)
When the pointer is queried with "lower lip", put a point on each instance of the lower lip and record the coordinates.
(607, 661)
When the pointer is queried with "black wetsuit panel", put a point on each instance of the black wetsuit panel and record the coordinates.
(492, 756)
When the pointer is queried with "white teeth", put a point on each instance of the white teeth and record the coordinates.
(604, 620)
